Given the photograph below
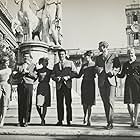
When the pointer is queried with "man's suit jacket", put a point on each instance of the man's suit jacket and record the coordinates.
(111, 65)
(69, 69)
(23, 77)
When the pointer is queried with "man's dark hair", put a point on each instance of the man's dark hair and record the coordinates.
(61, 50)
(89, 53)
(42, 59)
(103, 44)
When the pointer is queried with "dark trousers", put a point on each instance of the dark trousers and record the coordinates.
(25, 92)
(107, 93)
(62, 93)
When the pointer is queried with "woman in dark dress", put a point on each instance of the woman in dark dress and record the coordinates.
(88, 72)
(131, 70)
(43, 96)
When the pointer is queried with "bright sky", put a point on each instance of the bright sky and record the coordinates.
(87, 22)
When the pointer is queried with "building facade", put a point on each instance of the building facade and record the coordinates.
(6, 35)
(132, 12)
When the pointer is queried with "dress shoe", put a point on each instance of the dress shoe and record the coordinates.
(59, 123)
(84, 121)
(25, 125)
(109, 126)
(42, 122)
(20, 124)
(68, 123)
(88, 124)
(135, 124)
(132, 125)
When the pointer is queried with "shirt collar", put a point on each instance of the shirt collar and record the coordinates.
(63, 61)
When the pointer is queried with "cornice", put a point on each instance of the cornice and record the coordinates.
(5, 12)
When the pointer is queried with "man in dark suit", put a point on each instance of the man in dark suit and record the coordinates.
(108, 65)
(26, 75)
(62, 74)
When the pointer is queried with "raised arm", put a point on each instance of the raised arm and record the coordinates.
(80, 72)
(31, 72)
(73, 73)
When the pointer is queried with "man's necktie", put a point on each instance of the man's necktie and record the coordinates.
(62, 65)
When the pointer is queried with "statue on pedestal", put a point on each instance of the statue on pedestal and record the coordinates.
(47, 27)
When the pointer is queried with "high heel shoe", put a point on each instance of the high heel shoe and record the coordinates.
(135, 124)
(84, 121)
(42, 122)
(109, 126)
(88, 123)
(132, 125)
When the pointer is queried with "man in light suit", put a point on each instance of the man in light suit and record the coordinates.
(108, 65)
(25, 73)
(62, 74)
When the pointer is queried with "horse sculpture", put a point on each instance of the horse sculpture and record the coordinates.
(30, 23)
(51, 21)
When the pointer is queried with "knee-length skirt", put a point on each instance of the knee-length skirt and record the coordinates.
(43, 97)
(132, 90)
(88, 92)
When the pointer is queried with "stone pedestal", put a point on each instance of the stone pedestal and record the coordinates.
(38, 49)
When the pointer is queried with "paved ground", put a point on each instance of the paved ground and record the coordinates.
(78, 129)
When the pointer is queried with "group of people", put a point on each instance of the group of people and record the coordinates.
(106, 65)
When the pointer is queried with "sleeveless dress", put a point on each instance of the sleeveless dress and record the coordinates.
(43, 97)
(88, 83)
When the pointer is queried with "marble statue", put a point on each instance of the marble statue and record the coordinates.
(30, 23)
(51, 20)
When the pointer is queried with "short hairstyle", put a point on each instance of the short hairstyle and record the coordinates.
(61, 50)
(89, 53)
(103, 44)
(42, 59)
